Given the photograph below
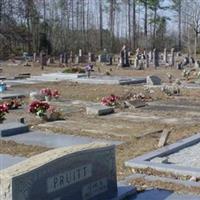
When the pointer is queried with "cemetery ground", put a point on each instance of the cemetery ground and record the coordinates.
(139, 134)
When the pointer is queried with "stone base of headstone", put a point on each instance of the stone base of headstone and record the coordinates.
(99, 110)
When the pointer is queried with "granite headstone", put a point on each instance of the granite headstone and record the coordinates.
(86, 172)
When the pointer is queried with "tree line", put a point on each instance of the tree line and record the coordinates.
(93, 25)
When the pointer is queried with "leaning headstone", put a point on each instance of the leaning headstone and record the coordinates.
(155, 58)
(85, 172)
(153, 80)
(99, 110)
(13, 128)
(164, 137)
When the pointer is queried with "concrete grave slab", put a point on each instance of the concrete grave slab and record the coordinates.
(138, 117)
(86, 172)
(86, 126)
(156, 194)
(99, 109)
(147, 160)
(7, 160)
(52, 140)
(80, 78)
(11, 96)
(183, 85)
(173, 105)
(13, 128)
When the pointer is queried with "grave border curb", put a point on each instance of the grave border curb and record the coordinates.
(143, 161)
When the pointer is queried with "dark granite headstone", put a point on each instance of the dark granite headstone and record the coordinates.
(13, 128)
(153, 80)
(62, 174)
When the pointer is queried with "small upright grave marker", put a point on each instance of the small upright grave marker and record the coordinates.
(99, 110)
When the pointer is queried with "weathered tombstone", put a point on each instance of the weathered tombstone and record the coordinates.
(165, 56)
(164, 137)
(43, 60)
(77, 59)
(124, 61)
(185, 62)
(50, 61)
(110, 60)
(192, 61)
(91, 57)
(153, 80)
(172, 60)
(155, 58)
(140, 64)
(34, 57)
(80, 53)
(197, 64)
(147, 61)
(150, 56)
(136, 61)
(65, 59)
(61, 59)
(71, 57)
(85, 172)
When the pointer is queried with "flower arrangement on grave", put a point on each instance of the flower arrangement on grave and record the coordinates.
(46, 92)
(52, 114)
(111, 100)
(39, 108)
(55, 94)
(49, 93)
(13, 104)
(3, 111)
(44, 110)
